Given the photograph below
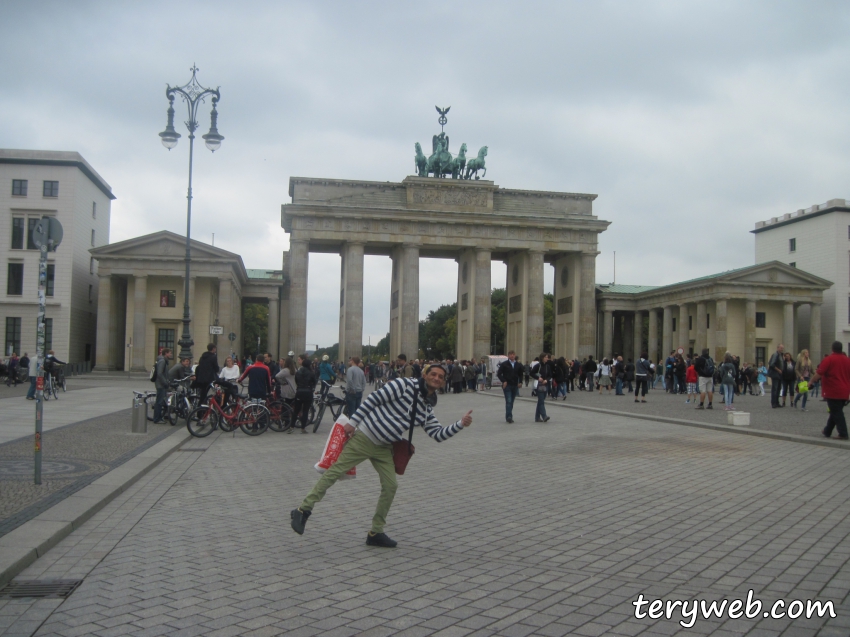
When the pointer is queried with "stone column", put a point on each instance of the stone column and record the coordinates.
(225, 316)
(788, 328)
(274, 326)
(607, 334)
(410, 302)
(749, 354)
(628, 335)
(720, 331)
(667, 332)
(684, 336)
(653, 336)
(587, 307)
(103, 356)
(299, 259)
(815, 344)
(702, 328)
(535, 304)
(351, 302)
(140, 323)
(483, 291)
(637, 339)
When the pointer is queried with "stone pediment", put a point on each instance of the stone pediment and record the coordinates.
(776, 273)
(164, 244)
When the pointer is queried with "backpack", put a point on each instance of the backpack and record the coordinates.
(153, 373)
(708, 367)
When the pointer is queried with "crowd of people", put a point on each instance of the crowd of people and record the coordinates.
(18, 369)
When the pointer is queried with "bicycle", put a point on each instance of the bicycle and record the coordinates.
(60, 378)
(50, 388)
(251, 417)
(327, 400)
(180, 401)
(282, 416)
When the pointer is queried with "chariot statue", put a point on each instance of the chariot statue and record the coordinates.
(441, 163)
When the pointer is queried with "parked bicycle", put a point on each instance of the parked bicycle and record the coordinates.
(180, 401)
(326, 400)
(250, 415)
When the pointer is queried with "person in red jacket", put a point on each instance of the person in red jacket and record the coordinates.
(692, 380)
(834, 371)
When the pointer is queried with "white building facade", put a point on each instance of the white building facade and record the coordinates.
(62, 185)
(817, 240)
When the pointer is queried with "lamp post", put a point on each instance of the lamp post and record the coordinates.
(193, 95)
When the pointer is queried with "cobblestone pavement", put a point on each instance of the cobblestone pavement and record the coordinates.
(787, 420)
(73, 456)
(525, 529)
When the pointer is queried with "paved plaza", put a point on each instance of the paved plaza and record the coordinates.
(525, 529)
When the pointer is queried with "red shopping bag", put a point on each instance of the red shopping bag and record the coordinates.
(333, 447)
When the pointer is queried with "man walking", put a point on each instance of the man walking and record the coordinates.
(834, 370)
(510, 372)
(589, 372)
(384, 418)
(704, 368)
(774, 372)
(355, 384)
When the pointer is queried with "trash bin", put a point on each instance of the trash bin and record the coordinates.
(140, 413)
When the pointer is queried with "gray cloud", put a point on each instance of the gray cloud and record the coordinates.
(690, 120)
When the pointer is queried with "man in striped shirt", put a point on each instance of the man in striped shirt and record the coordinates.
(383, 418)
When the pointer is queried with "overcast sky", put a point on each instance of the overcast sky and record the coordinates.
(690, 120)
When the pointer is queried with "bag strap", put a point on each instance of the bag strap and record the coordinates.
(413, 413)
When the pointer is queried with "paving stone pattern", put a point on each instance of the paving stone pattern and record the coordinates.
(788, 420)
(73, 456)
(525, 529)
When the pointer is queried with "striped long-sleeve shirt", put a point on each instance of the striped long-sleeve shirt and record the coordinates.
(385, 414)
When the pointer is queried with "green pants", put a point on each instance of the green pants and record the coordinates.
(356, 450)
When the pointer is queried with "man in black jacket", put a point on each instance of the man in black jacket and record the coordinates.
(510, 372)
(206, 372)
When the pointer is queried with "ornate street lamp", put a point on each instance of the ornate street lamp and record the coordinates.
(193, 94)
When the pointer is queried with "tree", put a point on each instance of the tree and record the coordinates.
(255, 322)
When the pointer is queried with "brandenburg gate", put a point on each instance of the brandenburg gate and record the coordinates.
(473, 221)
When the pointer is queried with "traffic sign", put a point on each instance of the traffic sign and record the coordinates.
(47, 232)
(680, 351)
(232, 336)
(216, 329)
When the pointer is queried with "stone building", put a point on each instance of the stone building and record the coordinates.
(141, 291)
(472, 222)
(33, 184)
(748, 311)
(817, 240)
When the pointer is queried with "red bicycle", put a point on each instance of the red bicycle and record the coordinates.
(249, 414)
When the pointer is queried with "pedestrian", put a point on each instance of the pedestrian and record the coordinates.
(561, 374)
(643, 369)
(456, 377)
(727, 375)
(774, 372)
(692, 380)
(589, 373)
(630, 375)
(355, 384)
(259, 379)
(228, 375)
(32, 370)
(704, 367)
(206, 372)
(618, 375)
(386, 417)
(762, 378)
(161, 383)
(470, 374)
(603, 374)
(542, 375)
(327, 375)
(834, 371)
(482, 374)
(804, 375)
(510, 373)
(286, 378)
(305, 384)
(12, 370)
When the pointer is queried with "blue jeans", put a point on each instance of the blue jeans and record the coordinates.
(805, 395)
(563, 389)
(618, 390)
(511, 392)
(352, 401)
(728, 393)
(540, 412)
(159, 407)
(31, 391)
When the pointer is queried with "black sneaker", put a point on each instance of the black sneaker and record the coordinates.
(546, 419)
(380, 539)
(510, 420)
(299, 520)
(709, 406)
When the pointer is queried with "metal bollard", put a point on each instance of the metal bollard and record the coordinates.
(140, 413)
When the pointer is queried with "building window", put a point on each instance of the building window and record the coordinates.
(13, 335)
(91, 293)
(51, 276)
(31, 224)
(761, 319)
(48, 334)
(707, 321)
(91, 265)
(792, 245)
(19, 187)
(690, 323)
(760, 356)
(674, 323)
(165, 338)
(94, 210)
(793, 264)
(51, 189)
(92, 236)
(15, 280)
(168, 298)
(18, 224)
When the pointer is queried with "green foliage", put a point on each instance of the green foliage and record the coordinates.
(381, 351)
(255, 322)
(438, 332)
(498, 303)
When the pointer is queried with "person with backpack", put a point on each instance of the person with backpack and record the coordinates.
(159, 376)
(704, 367)
(643, 370)
(728, 380)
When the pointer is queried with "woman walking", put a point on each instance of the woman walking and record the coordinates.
(305, 384)
(604, 375)
(762, 378)
(789, 378)
(727, 380)
(804, 376)
(542, 373)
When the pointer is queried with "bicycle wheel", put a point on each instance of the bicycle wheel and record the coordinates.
(336, 409)
(319, 415)
(48, 392)
(254, 419)
(171, 410)
(64, 384)
(281, 416)
(202, 421)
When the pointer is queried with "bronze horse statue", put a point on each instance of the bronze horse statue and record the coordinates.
(476, 164)
(420, 161)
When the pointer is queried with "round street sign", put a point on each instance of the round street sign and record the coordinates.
(232, 336)
(680, 351)
(47, 231)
